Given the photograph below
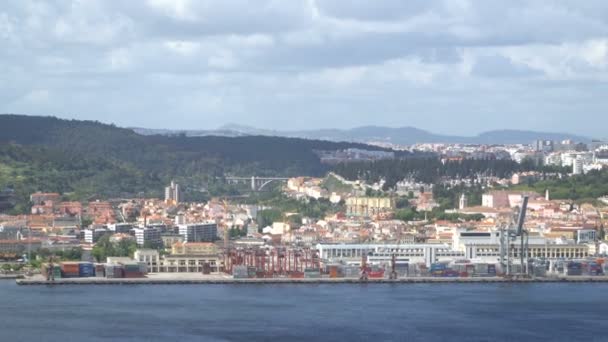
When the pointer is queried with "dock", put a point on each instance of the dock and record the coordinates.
(219, 280)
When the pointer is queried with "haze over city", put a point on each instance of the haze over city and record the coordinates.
(451, 67)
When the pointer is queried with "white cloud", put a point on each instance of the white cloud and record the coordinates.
(308, 62)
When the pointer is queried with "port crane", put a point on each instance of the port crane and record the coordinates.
(393, 275)
(510, 235)
(50, 273)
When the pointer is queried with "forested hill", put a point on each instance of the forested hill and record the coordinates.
(51, 154)
(260, 155)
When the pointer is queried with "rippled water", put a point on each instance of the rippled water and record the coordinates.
(419, 312)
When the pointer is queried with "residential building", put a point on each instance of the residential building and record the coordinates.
(368, 206)
(93, 235)
(199, 232)
(148, 235)
(173, 193)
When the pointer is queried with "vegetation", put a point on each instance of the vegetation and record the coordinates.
(89, 159)
(333, 184)
(580, 188)
(105, 248)
(281, 205)
(65, 255)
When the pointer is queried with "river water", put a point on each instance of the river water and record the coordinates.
(346, 312)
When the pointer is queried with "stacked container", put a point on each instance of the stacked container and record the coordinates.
(86, 269)
(70, 269)
(375, 272)
(333, 271)
(574, 269)
(351, 271)
(132, 270)
(312, 273)
(100, 270)
(296, 275)
(403, 270)
(438, 269)
(240, 272)
(114, 271)
(595, 269)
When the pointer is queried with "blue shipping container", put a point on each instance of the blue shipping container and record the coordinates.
(438, 267)
(86, 269)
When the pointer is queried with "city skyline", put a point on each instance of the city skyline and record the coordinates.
(450, 67)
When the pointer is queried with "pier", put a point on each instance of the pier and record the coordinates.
(217, 280)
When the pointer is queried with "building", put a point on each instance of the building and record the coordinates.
(382, 253)
(170, 239)
(173, 193)
(124, 228)
(182, 263)
(93, 235)
(369, 206)
(194, 248)
(577, 166)
(505, 199)
(148, 236)
(199, 232)
(40, 198)
(16, 248)
(586, 235)
(150, 256)
(463, 203)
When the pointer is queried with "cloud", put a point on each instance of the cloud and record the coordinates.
(455, 66)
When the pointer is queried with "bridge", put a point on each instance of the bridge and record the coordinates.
(257, 183)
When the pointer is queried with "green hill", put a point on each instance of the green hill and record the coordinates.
(91, 159)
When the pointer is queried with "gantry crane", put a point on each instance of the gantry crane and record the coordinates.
(508, 235)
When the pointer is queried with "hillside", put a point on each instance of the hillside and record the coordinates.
(91, 158)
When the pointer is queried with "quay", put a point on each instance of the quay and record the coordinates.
(217, 280)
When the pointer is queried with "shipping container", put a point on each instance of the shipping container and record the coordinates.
(70, 270)
(100, 270)
(378, 274)
(492, 269)
(333, 271)
(438, 267)
(114, 271)
(240, 272)
(86, 269)
(296, 275)
(132, 274)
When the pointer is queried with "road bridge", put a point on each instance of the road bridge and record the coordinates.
(256, 183)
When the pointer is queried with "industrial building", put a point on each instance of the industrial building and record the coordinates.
(179, 263)
(478, 246)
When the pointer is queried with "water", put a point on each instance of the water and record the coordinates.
(421, 312)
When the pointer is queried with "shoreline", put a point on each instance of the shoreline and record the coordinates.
(219, 280)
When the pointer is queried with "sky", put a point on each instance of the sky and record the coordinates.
(448, 66)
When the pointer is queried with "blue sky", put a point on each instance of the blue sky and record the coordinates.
(452, 66)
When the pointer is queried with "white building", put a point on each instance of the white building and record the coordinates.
(93, 235)
(173, 193)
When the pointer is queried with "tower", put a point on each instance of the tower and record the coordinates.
(173, 193)
(463, 202)
(547, 196)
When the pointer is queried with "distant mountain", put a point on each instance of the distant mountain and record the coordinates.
(369, 134)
